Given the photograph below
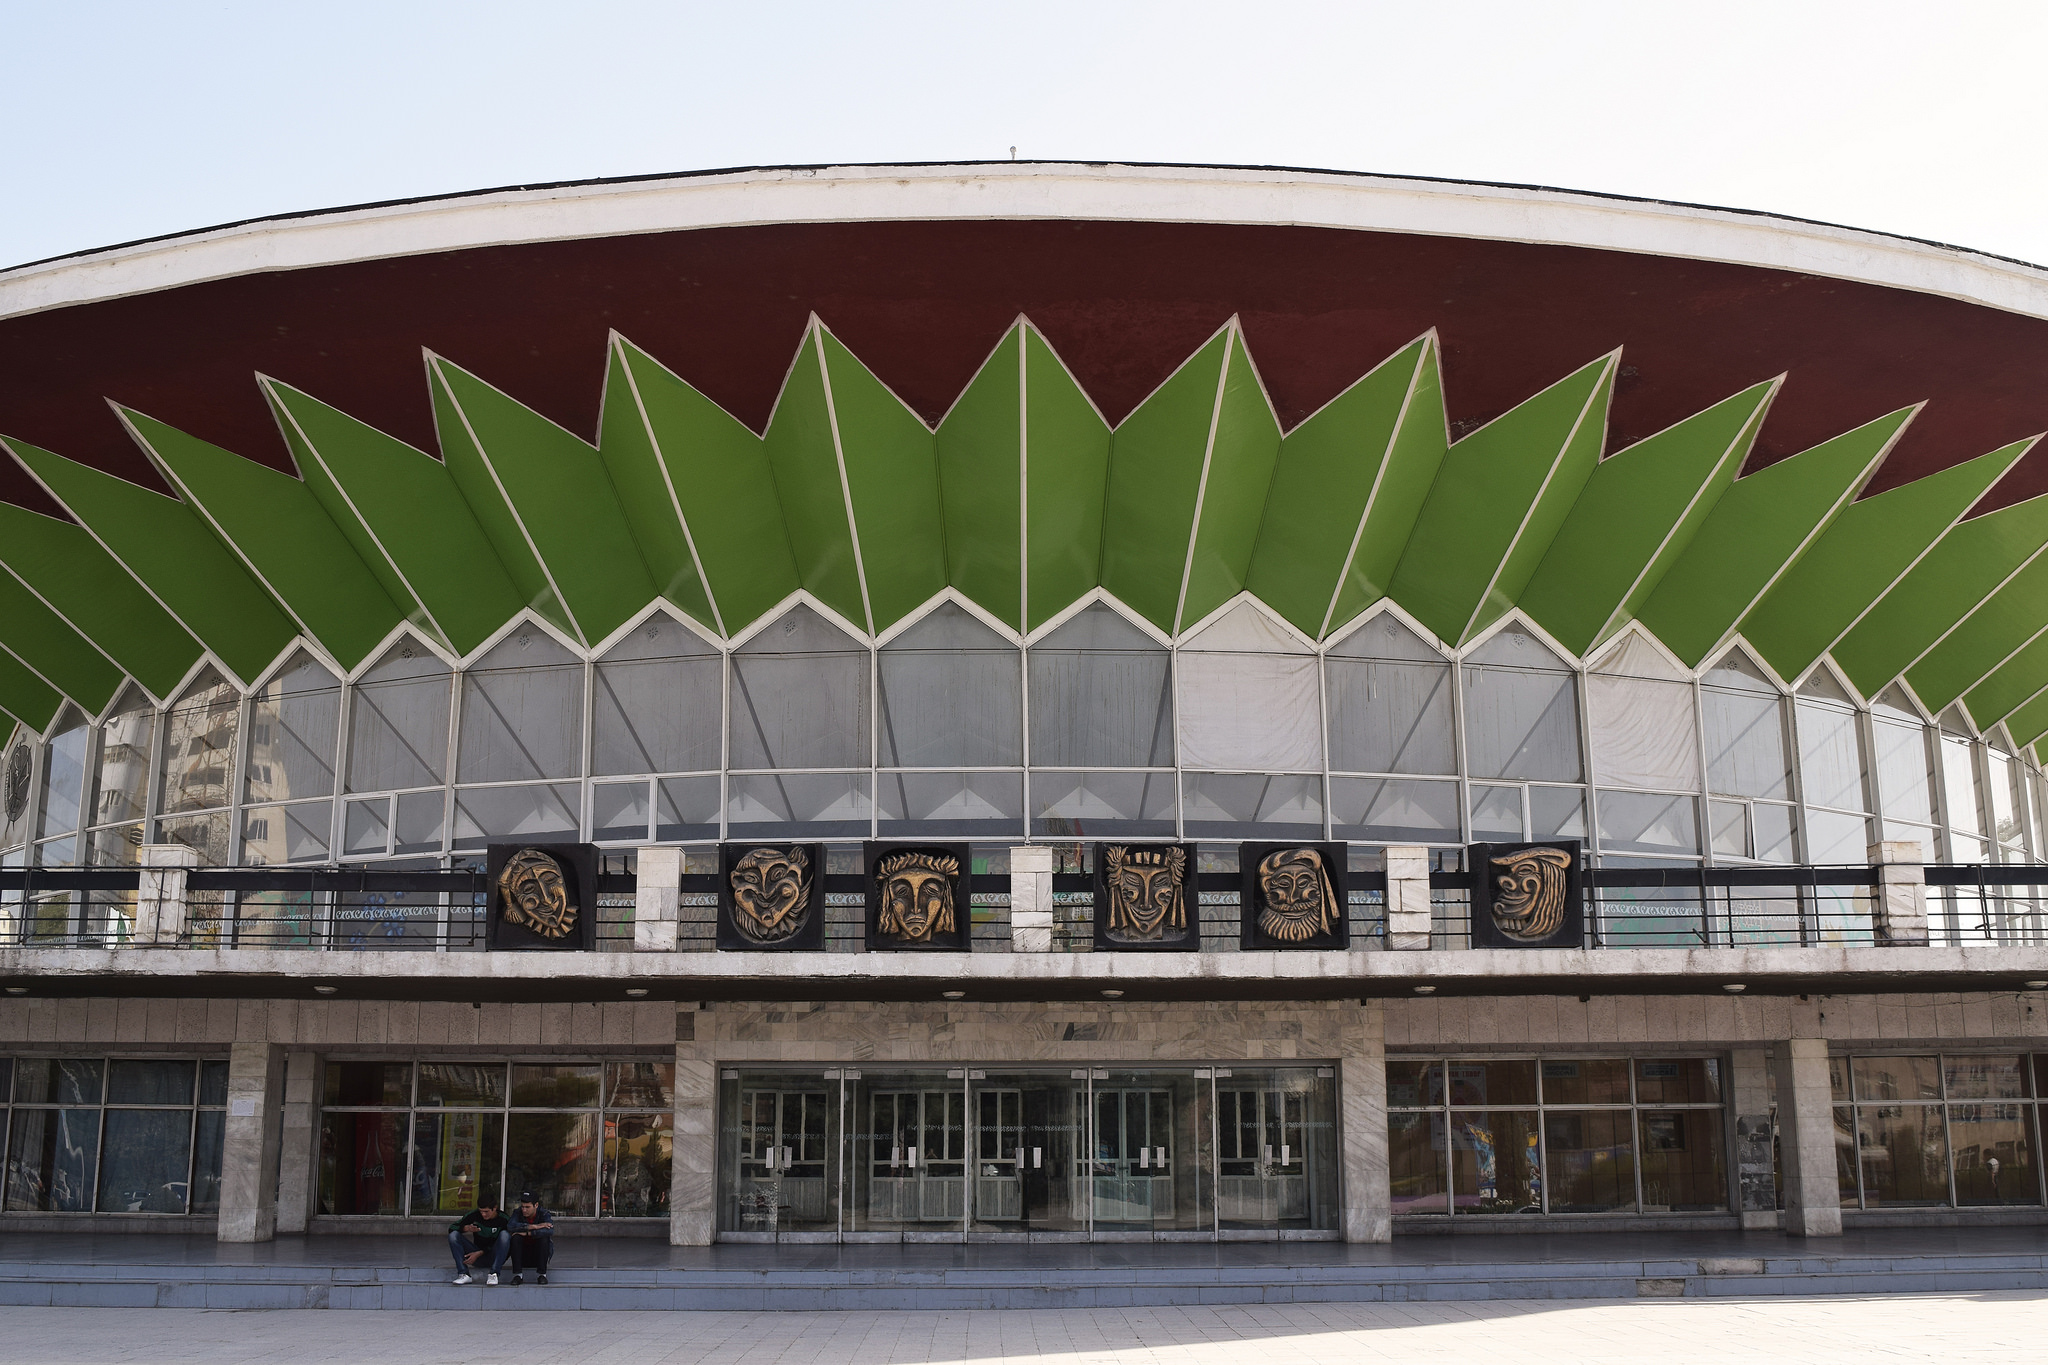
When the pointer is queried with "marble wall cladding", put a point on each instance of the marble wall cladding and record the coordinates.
(335, 1024)
(693, 1172)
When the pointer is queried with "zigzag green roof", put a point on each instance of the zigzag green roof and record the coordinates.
(1023, 499)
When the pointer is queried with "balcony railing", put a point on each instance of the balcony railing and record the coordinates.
(362, 909)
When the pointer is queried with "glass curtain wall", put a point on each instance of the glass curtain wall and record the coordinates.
(113, 1135)
(519, 746)
(398, 755)
(1939, 1131)
(1393, 755)
(1556, 1135)
(1101, 730)
(1522, 750)
(592, 1139)
(1251, 730)
(951, 728)
(799, 738)
(656, 716)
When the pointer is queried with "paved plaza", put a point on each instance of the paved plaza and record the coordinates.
(1999, 1326)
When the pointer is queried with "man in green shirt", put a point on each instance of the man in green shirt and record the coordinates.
(480, 1233)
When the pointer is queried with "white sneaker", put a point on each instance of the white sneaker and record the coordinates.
(463, 1278)
(491, 1279)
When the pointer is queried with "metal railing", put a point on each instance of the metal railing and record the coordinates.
(363, 909)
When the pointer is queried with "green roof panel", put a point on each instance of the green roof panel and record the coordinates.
(980, 451)
(23, 694)
(1066, 484)
(48, 644)
(2000, 626)
(646, 496)
(1237, 475)
(803, 451)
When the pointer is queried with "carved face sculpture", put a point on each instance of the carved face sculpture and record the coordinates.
(917, 895)
(1146, 901)
(1528, 898)
(535, 894)
(771, 890)
(1298, 900)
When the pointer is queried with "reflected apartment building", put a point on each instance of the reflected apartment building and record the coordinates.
(1019, 702)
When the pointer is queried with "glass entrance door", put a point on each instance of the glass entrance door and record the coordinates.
(1027, 1128)
(1148, 1146)
(782, 1150)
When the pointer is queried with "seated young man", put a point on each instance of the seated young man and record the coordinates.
(480, 1234)
(533, 1238)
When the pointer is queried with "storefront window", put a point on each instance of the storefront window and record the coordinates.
(1939, 1131)
(126, 1135)
(590, 1138)
(1556, 1135)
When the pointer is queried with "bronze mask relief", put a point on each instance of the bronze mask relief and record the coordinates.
(1146, 893)
(539, 895)
(771, 893)
(1529, 892)
(1296, 900)
(917, 896)
(534, 894)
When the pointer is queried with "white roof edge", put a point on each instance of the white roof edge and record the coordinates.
(1107, 192)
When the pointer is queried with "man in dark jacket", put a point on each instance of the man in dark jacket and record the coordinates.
(480, 1234)
(533, 1238)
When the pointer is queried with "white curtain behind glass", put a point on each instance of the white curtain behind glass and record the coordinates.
(1744, 716)
(951, 695)
(1390, 702)
(1830, 747)
(1903, 773)
(522, 712)
(398, 722)
(1645, 733)
(657, 708)
(293, 724)
(1521, 711)
(1101, 695)
(1249, 698)
(800, 696)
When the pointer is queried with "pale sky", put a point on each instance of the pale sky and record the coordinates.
(127, 120)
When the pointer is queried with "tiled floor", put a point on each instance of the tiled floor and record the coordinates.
(2002, 1326)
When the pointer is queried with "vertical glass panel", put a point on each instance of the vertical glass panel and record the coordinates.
(1904, 1155)
(56, 1080)
(1497, 813)
(640, 1085)
(1645, 822)
(1101, 695)
(52, 1155)
(1644, 732)
(1557, 813)
(660, 702)
(1394, 810)
(1684, 1168)
(1276, 1154)
(366, 827)
(367, 1083)
(686, 808)
(209, 834)
(1984, 1078)
(1480, 1083)
(1897, 1078)
(199, 746)
(914, 804)
(209, 1139)
(554, 1087)
(1904, 779)
(1959, 784)
(638, 1158)
(131, 1081)
(1744, 720)
(398, 722)
(1027, 1152)
(146, 1161)
(1149, 1139)
(1830, 754)
(522, 712)
(294, 727)
(63, 782)
(779, 1143)
(287, 834)
(824, 804)
(800, 696)
(619, 810)
(465, 1084)
(125, 739)
(909, 1154)
(457, 1160)
(2005, 817)
(1590, 1160)
(1728, 829)
(555, 1156)
(362, 1164)
(420, 818)
(1596, 1081)
(1390, 702)
(1835, 839)
(1773, 833)
(1106, 804)
(1994, 1154)
(1681, 1080)
(1496, 1161)
(1847, 1167)
(213, 1083)
(952, 695)
(1414, 1085)
(1239, 805)
(536, 813)
(1521, 711)
(1250, 697)
(1418, 1166)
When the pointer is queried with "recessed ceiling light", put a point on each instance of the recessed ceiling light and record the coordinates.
(636, 991)
(17, 990)
(2031, 985)
(954, 995)
(1425, 990)
(323, 990)
(1113, 995)
(1735, 988)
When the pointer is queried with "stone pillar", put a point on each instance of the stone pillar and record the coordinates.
(657, 899)
(1900, 908)
(1362, 1078)
(1749, 1098)
(160, 902)
(1408, 908)
(693, 1193)
(248, 1162)
(298, 1144)
(1031, 898)
(1806, 1139)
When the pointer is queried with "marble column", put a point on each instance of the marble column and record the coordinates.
(298, 1144)
(248, 1163)
(1806, 1139)
(693, 1196)
(1362, 1081)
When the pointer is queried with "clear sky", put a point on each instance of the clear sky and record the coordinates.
(126, 120)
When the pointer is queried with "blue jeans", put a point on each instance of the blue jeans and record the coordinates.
(460, 1244)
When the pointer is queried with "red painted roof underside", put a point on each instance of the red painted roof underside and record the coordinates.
(1124, 303)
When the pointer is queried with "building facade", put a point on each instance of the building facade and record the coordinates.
(1020, 692)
